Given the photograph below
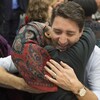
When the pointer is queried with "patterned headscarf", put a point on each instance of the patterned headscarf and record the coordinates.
(30, 57)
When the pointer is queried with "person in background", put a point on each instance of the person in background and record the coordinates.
(5, 48)
(10, 12)
(98, 3)
(1, 17)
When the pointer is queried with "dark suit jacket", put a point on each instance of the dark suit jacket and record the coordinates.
(23, 4)
(6, 7)
(1, 6)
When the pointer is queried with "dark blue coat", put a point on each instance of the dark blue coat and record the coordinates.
(6, 7)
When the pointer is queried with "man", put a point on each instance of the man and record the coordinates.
(72, 78)
(62, 43)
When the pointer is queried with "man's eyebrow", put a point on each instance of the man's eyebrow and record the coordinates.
(70, 31)
(56, 29)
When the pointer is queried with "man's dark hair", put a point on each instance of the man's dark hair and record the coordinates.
(69, 10)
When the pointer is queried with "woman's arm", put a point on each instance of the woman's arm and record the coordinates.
(64, 77)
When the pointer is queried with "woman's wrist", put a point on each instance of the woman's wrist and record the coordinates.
(76, 87)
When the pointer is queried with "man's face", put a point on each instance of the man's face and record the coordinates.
(66, 33)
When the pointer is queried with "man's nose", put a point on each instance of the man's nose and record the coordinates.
(63, 40)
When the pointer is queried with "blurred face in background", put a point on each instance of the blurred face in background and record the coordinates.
(60, 0)
(98, 4)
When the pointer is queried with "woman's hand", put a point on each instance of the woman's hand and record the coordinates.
(63, 76)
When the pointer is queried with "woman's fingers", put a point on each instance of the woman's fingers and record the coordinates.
(65, 65)
(51, 72)
(53, 67)
(51, 79)
(56, 65)
(54, 75)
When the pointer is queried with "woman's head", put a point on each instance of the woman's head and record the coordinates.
(40, 10)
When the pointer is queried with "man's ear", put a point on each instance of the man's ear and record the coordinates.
(81, 32)
(47, 34)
